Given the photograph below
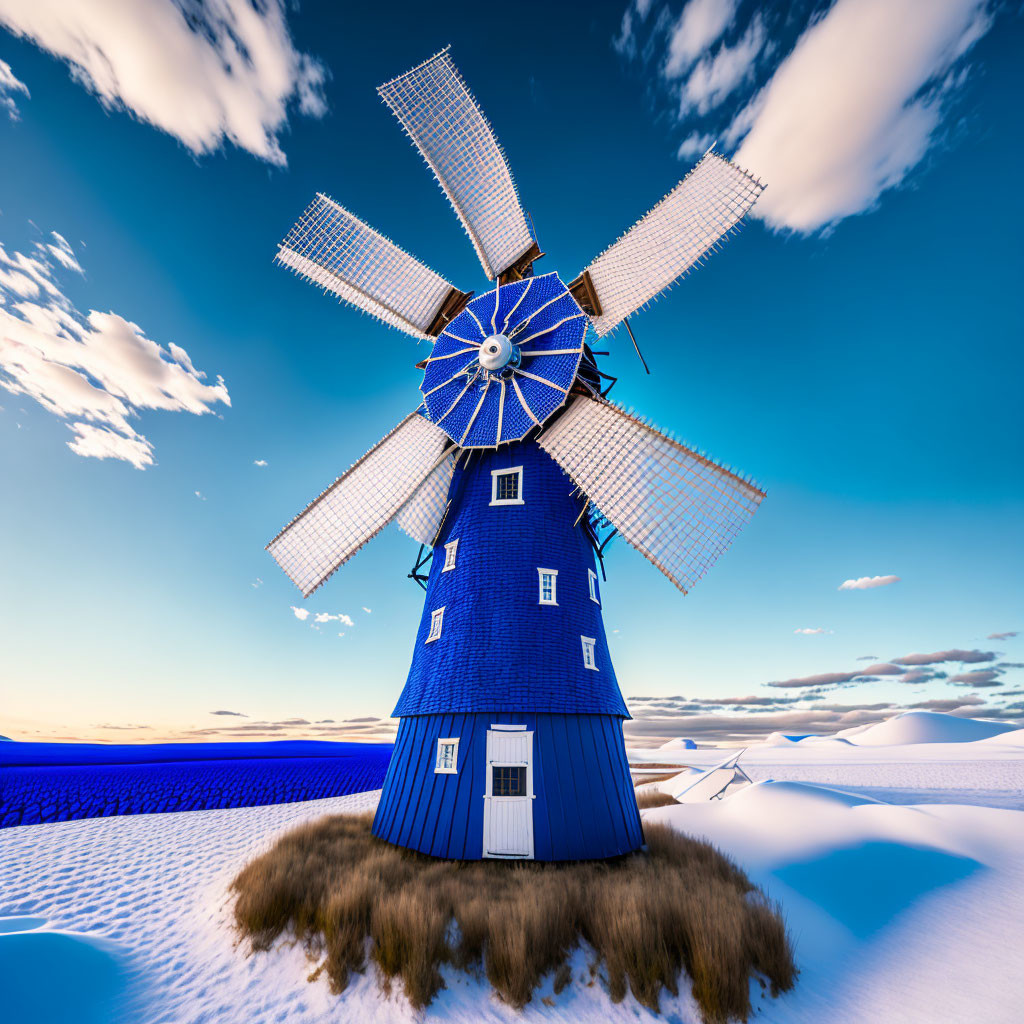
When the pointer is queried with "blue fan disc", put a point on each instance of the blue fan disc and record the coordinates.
(506, 363)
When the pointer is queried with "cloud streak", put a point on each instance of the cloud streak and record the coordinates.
(868, 582)
(10, 88)
(209, 74)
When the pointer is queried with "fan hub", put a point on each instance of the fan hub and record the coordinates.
(496, 352)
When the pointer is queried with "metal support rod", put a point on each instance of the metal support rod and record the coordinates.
(625, 320)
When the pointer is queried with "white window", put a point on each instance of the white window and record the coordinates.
(436, 618)
(589, 658)
(592, 583)
(507, 486)
(449, 555)
(548, 580)
(447, 756)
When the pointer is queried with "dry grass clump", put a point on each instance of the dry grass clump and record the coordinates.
(642, 780)
(680, 906)
(646, 798)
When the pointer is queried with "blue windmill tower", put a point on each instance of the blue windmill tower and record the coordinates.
(513, 474)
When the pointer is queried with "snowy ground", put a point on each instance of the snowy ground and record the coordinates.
(901, 912)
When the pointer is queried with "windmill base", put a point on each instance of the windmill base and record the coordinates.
(540, 786)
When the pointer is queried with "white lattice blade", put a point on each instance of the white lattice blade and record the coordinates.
(679, 509)
(445, 123)
(420, 517)
(335, 250)
(359, 504)
(666, 242)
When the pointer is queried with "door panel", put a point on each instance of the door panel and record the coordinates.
(508, 820)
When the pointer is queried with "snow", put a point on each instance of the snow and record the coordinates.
(679, 743)
(899, 868)
(925, 727)
(899, 913)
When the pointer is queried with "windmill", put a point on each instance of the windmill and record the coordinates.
(513, 473)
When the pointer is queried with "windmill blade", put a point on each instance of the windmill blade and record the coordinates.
(339, 253)
(679, 509)
(441, 116)
(420, 517)
(666, 242)
(359, 504)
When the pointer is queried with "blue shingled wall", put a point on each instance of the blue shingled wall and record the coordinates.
(585, 807)
(500, 650)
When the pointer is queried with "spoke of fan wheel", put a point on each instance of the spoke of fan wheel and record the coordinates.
(465, 341)
(454, 376)
(548, 330)
(523, 402)
(540, 309)
(458, 399)
(541, 380)
(501, 412)
(461, 352)
(504, 327)
(552, 351)
(483, 333)
(494, 315)
(469, 425)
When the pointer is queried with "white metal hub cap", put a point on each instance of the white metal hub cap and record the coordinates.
(496, 352)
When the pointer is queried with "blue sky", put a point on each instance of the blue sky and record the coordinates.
(856, 349)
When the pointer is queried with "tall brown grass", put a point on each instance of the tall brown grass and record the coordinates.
(649, 797)
(679, 906)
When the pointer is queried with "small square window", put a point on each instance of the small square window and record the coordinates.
(508, 781)
(447, 756)
(592, 583)
(436, 620)
(449, 555)
(507, 486)
(548, 579)
(589, 657)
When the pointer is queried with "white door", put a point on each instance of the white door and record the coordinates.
(508, 804)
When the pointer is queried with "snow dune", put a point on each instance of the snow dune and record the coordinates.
(924, 727)
(900, 913)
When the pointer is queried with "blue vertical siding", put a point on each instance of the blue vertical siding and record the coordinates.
(584, 809)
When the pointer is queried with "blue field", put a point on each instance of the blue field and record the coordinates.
(43, 782)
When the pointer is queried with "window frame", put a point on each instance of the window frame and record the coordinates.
(442, 742)
(507, 471)
(589, 644)
(437, 615)
(553, 573)
(592, 586)
(505, 772)
(450, 550)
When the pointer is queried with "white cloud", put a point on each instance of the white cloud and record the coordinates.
(300, 613)
(206, 73)
(199, 495)
(714, 78)
(99, 370)
(700, 24)
(868, 582)
(854, 107)
(103, 443)
(9, 86)
(257, 584)
(695, 143)
(260, 462)
(812, 632)
(345, 620)
(367, 610)
(60, 249)
(625, 41)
